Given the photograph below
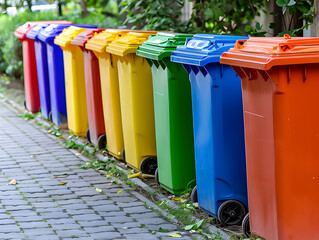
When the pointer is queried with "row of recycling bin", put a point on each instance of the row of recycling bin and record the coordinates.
(160, 101)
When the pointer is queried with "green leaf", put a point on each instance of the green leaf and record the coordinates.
(291, 3)
(194, 226)
(258, 27)
(282, 3)
(175, 235)
(189, 227)
(198, 224)
(303, 9)
(272, 25)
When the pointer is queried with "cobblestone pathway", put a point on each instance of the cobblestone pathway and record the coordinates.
(39, 208)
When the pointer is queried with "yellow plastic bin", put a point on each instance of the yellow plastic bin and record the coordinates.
(74, 81)
(136, 99)
(110, 89)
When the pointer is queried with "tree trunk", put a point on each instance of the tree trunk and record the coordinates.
(59, 8)
(84, 8)
(29, 3)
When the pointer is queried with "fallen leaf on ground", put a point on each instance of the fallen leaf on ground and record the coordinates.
(60, 137)
(179, 199)
(78, 154)
(99, 190)
(109, 184)
(175, 235)
(33, 156)
(13, 182)
(119, 191)
(62, 183)
(135, 175)
(60, 176)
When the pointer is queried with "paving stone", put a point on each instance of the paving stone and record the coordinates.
(33, 225)
(106, 235)
(99, 229)
(119, 219)
(7, 221)
(53, 215)
(39, 232)
(9, 228)
(71, 233)
(141, 236)
(138, 209)
(66, 226)
(86, 217)
(93, 223)
(169, 227)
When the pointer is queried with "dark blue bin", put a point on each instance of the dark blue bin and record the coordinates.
(42, 69)
(218, 127)
(56, 72)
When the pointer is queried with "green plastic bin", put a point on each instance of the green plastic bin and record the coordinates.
(173, 113)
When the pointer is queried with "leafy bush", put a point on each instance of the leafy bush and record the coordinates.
(10, 47)
(161, 15)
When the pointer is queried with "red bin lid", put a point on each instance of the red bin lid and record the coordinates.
(83, 37)
(264, 53)
(22, 30)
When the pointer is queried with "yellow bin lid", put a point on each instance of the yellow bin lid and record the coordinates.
(128, 43)
(65, 38)
(103, 39)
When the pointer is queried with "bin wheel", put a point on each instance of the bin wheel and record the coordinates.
(123, 155)
(50, 116)
(149, 165)
(246, 226)
(88, 136)
(194, 196)
(231, 212)
(101, 142)
(25, 105)
(156, 177)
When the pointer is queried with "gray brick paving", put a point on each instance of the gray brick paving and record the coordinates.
(39, 208)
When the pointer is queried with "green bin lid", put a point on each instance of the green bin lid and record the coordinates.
(162, 45)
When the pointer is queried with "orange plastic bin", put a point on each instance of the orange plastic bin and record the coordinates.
(32, 99)
(281, 95)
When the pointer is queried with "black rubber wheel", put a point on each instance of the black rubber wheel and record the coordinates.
(101, 141)
(246, 226)
(149, 165)
(25, 104)
(194, 196)
(50, 116)
(123, 155)
(156, 177)
(231, 212)
(88, 136)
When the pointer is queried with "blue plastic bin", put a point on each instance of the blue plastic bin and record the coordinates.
(220, 163)
(56, 72)
(42, 69)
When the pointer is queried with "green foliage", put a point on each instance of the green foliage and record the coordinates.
(225, 16)
(11, 62)
(162, 15)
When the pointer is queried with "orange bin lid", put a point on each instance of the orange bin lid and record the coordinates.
(22, 30)
(264, 53)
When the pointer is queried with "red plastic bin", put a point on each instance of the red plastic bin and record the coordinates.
(96, 132)
(32, 99)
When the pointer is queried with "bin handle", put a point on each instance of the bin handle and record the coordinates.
(240, 44)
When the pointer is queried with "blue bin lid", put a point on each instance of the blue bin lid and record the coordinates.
(53, 30)
(203, 49)
(34, 32)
